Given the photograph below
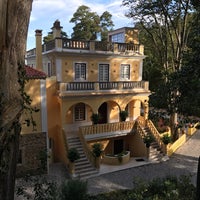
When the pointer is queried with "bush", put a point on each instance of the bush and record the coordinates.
(97, 149)
(148, 139)
(73, 154)
(166, 139)
(73, 190)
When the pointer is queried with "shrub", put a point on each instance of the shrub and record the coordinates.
(123, 115)
(148, 139)
(95, 118)
(166, 139)
(97, 149)
(73, 154)
(73, 190)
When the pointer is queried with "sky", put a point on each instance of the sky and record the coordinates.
(45, 12)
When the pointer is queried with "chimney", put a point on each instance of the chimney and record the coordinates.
(38, 36)
(56, 29)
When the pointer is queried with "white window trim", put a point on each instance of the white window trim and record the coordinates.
(86, 71)
(125, 79)
(104, 63)
(79, 121)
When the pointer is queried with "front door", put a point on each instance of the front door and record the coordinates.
(118, 146)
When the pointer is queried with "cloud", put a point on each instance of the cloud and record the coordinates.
(45, 12)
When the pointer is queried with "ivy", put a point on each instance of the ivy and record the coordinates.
(26, 100)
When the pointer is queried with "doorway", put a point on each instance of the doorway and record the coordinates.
(118, 146)
(103, 113)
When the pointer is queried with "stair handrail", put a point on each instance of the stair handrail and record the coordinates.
(66, 147)
(141, 120)
(156, 134)
(139, 129)
(90, 156)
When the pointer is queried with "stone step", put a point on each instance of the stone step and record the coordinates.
(83, 168)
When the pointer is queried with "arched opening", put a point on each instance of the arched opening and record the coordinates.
(103, 109)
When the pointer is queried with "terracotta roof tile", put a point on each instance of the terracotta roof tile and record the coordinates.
(32, 73)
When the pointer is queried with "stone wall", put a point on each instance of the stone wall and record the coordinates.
(32, 154)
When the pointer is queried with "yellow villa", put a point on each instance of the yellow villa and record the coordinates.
(99, 79)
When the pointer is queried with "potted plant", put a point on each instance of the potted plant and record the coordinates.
(72, 155)
(123, 115)
(166, 139)
(148, 139)
(95, 118)
(97, 151)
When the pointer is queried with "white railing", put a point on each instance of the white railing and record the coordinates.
(106, 128)
(121, 85)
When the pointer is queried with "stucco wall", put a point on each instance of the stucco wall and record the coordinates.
(32, 89)
(93, 64)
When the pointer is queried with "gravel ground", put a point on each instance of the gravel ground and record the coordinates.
(183, 162)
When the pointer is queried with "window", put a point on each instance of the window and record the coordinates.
(125, 72)
(103, 72)
(119, 37)
(80, 71)
(49, 69)
(79, 112)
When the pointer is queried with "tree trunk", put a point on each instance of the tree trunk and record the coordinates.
(14, 20)
(198, 181)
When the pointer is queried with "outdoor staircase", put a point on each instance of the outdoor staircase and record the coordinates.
(83, 168)
(155, 152)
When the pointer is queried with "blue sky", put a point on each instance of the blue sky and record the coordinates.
(45, 12)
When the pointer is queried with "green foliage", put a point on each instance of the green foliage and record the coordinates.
(148, 139)
(42, 189)
(95, 118)
(73, 190)
(158, 189)
(106, 24)
(73, 154)
(88, 24)
(49, 37)
(166, 139)
(123, 115)
(167, 188)
(26, 100)
(165, 30)
(97, 149)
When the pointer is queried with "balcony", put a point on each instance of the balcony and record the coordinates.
(100, 131)
(76, 88)
(69, 45)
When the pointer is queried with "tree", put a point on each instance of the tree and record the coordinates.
(88, 24)
(106, 25)
(14, 20)
(188, 76)
(167, 25)
(49, 37)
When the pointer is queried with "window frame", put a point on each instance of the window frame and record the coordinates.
(103, 75)
(123, 75)
(80, 78)
(79, 115)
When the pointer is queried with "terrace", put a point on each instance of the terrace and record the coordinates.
(69, 45)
